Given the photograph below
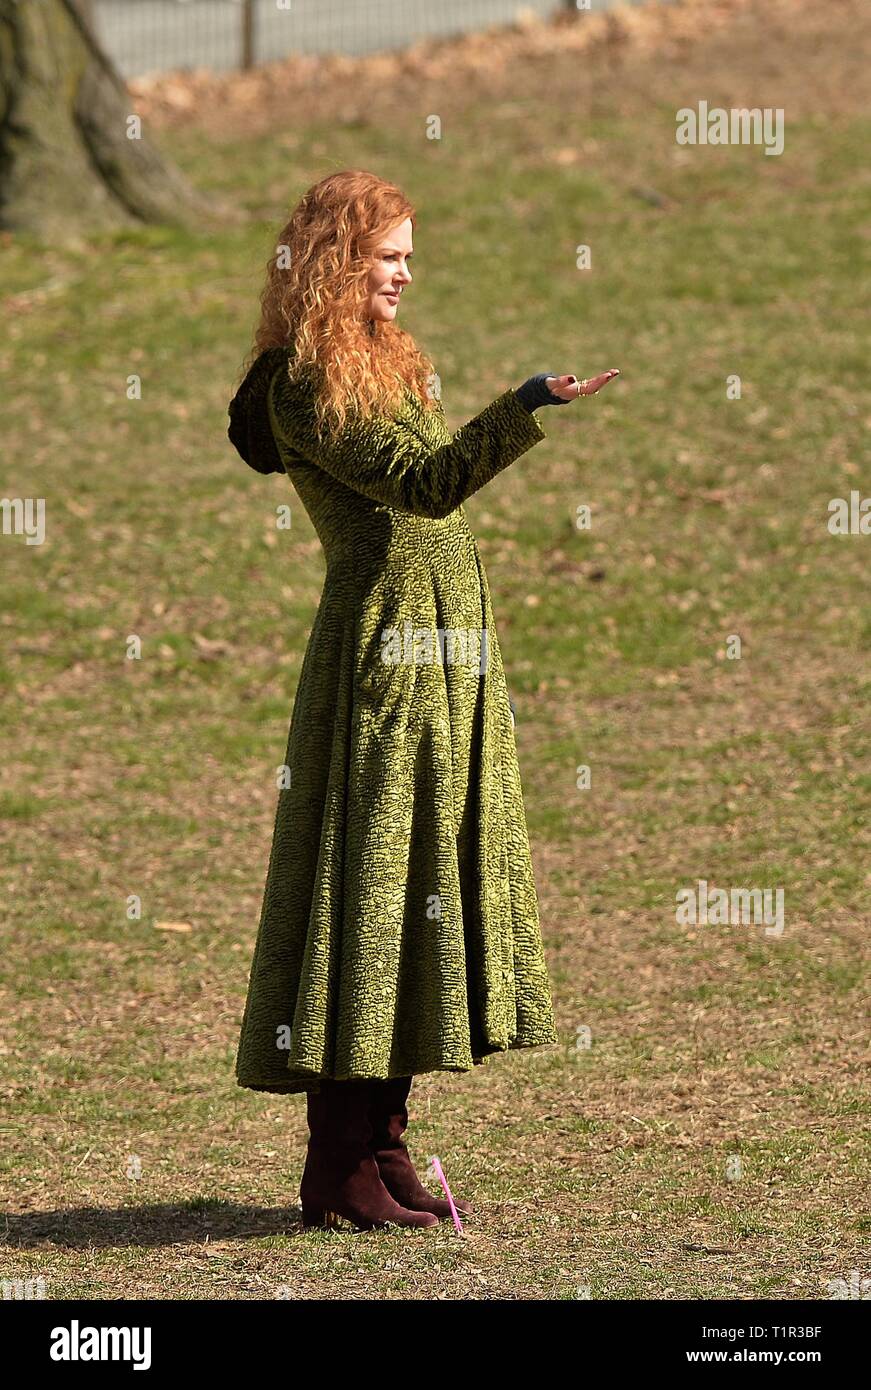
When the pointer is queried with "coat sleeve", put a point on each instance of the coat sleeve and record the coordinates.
(388, 463)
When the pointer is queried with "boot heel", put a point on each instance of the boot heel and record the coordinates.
(321, 1217)
(314, 1215)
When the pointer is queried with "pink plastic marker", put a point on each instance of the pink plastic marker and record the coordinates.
(439, 1172)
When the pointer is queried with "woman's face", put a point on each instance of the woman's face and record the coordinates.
(390, 273)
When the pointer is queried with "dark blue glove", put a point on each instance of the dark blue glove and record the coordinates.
(534, 393)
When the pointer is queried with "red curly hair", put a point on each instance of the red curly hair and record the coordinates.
(316, 296)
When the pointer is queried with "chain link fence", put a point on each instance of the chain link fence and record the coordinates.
(143, 36)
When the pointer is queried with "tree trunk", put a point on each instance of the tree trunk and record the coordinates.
(67, 161)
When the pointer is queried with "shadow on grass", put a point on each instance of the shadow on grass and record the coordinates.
(163, 1224)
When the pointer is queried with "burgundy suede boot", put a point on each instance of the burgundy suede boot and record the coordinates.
(389, 1123)
(341, 1177)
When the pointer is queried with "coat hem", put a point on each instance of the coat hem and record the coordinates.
(305, 1080)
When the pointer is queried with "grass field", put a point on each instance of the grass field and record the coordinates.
(712, 1142)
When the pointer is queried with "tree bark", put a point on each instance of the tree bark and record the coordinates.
(67, 161)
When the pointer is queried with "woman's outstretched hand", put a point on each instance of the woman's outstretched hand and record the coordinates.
(568, 388)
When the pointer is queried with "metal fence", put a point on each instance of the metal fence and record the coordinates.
(144, 36)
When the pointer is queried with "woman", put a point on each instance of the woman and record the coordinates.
(399, 932)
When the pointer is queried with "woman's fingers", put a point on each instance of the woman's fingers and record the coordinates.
(595, 383)
(568, 388)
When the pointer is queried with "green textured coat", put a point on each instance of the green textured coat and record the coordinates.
(399, 932)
